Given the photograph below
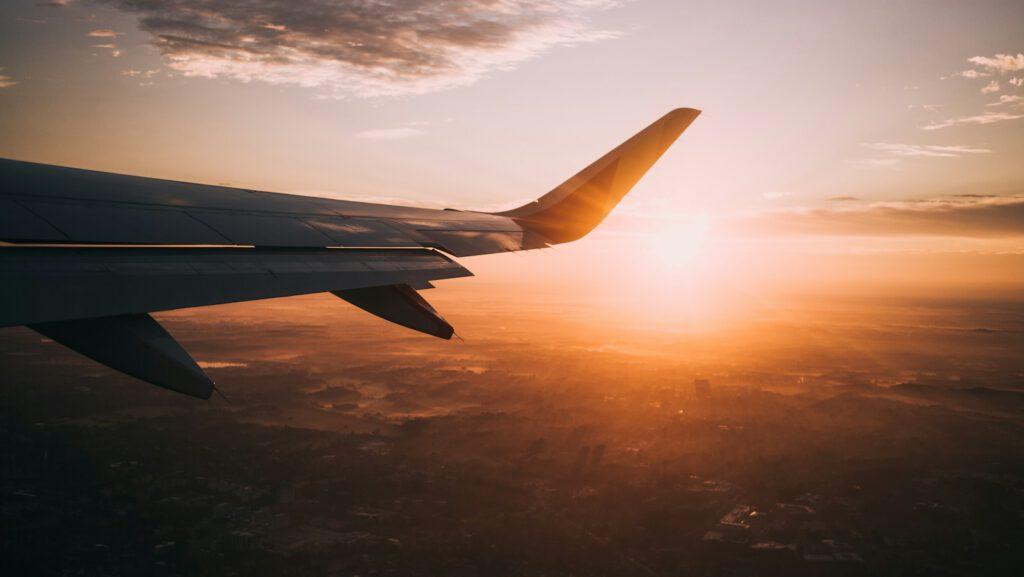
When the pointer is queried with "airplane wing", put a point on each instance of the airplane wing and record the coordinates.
(85, 256)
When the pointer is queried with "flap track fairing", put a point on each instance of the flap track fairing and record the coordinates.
(400, 304)
(133, 344)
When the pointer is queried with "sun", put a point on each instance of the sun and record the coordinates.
(675, 245)
(670, 267)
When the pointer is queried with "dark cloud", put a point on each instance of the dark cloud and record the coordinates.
(842, 199)
(982, 217)
(362, 47)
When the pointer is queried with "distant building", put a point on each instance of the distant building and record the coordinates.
(740, 517)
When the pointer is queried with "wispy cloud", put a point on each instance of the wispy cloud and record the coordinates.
(114, 50)
(895, 152)
(6, 81)
(972, 73)
(1007, 99)
(1000, 62)
(402, 133)
(961, 216)
(925, 150)
(988, 117)
(103, 33)
(991, 87)
(361, 47)
(874, 162)
(133, 73)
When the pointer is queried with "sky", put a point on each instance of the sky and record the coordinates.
(830, 130)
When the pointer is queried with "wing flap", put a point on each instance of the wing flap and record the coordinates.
(54, 284)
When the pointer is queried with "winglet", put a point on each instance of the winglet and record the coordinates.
(579, 204)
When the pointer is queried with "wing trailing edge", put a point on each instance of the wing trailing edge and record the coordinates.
(47, 284)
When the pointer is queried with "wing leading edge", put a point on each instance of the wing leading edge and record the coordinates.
(87, 252)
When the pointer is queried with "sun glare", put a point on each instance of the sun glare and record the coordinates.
(678, 243)
(671, 270)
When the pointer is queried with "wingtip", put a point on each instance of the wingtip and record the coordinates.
(683, 116)
(686, 110)
(575, 207)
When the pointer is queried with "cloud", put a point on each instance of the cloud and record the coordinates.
(972, 74)
(114, 50)
(874, 162)
(55, 3)
(898, 151)
(390, 133)
(360, 47)
(925, 150)
(842, 199)
(1007, 99)
(6, 81)
(133, 73)
(964, 216)
(103, 34)
(988, 117)
(1000, 62)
